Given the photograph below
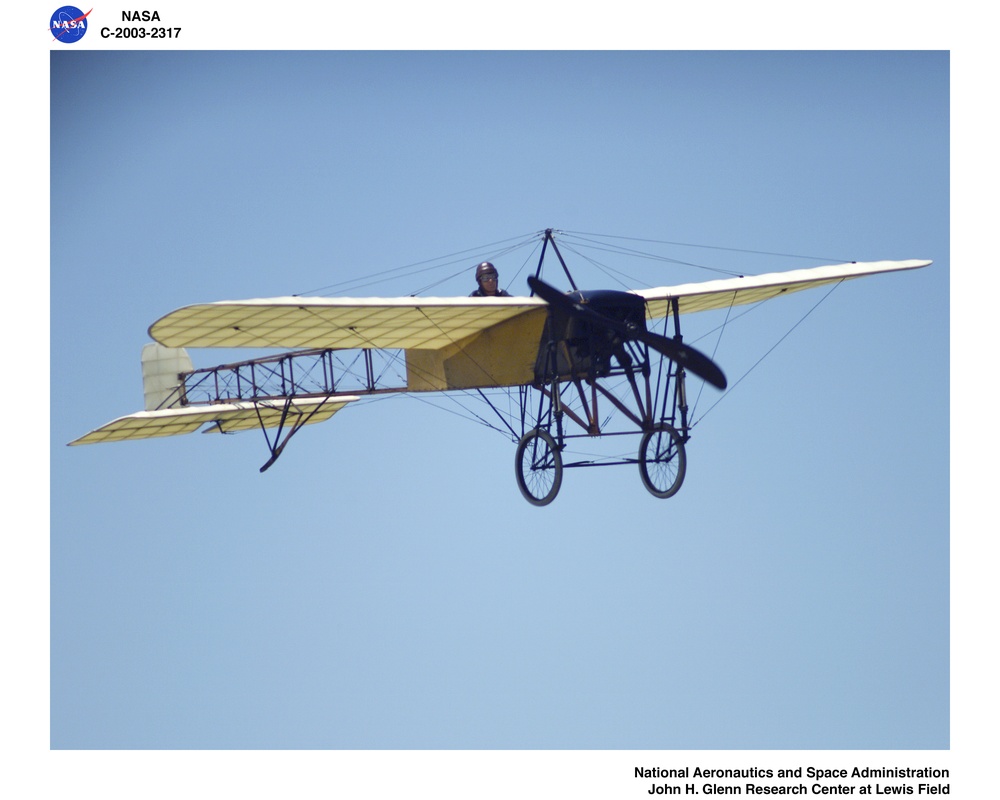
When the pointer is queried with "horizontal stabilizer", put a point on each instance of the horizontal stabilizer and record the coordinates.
(243, 415)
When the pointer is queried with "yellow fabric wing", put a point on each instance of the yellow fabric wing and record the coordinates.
(337, 323)
(243, 415)
(713, 295)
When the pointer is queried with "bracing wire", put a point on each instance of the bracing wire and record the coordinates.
(770, 350)
(583, 245)
(415, 268)
(706, 247)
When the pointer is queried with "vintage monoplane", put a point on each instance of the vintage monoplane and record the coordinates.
(562, 353)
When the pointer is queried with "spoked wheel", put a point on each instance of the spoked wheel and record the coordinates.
(662, 461)
(538, 466)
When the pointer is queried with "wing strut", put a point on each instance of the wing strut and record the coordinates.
(277, 447)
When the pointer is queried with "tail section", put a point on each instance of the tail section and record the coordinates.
(161, 369)
(168, 414)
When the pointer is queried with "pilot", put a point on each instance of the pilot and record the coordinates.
(487, 278)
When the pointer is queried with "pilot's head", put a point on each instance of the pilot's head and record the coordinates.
(487, 278)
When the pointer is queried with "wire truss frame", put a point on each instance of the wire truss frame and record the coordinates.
(298, 374)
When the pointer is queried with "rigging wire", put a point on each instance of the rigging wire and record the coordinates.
(492, 256)
(710, 247)
(527, 258)
(591, 241)
(611, 272)
(468, 414)
(770, 350)
(578, 243)
(721, 329)
(655, 257)
(397, 272)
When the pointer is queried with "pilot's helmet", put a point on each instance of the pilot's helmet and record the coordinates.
(486, 268)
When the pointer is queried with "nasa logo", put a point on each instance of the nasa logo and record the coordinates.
(68, 24)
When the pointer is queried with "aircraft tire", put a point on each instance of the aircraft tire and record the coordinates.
(662, 461)
(538, 467)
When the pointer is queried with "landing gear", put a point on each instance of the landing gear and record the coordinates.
(596, 350)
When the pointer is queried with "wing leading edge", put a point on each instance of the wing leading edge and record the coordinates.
(713, 295)
(424, 323)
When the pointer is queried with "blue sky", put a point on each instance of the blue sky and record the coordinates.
(384, 585)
